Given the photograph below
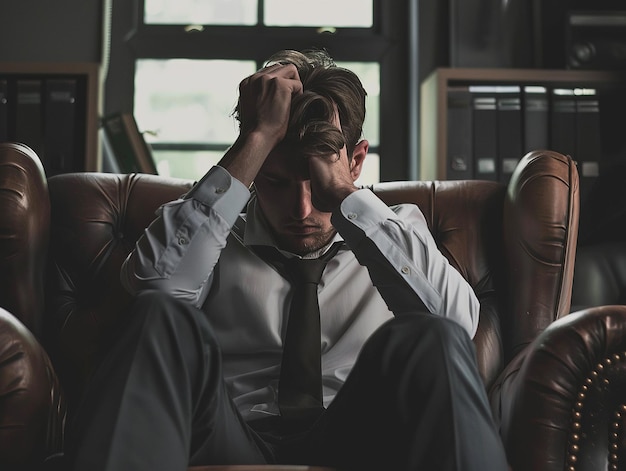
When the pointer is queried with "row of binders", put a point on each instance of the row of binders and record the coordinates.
(47, 113)
(489, 128)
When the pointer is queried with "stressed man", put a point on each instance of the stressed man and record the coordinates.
(235, 354)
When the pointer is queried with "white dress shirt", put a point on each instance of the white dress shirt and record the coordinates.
(198, 249)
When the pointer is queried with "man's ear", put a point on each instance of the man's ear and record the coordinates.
(358, 157)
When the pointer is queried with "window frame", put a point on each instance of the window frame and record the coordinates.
(385, 42)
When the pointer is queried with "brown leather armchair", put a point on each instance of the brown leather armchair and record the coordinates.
(515, 245)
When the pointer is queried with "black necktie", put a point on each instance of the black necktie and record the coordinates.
(300, 384)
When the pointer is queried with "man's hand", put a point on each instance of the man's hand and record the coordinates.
(264, 107)
(265, 100)
(332, 180)
(333, 176)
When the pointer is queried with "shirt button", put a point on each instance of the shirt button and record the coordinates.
(351, 215)
(405, 270)
(220, 190)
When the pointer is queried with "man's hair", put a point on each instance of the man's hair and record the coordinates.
(327, 88)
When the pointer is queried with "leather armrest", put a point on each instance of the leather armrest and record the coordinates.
(25, 226)
(562, 400)
(31, 405)
(541, 213)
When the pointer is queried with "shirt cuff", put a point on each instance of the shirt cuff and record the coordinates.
(224, 194)
(358, 213)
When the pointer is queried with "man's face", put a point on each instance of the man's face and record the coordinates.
(283, 189)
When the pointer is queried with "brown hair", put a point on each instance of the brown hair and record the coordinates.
(327, 88)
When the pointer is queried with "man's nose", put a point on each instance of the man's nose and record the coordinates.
(302, 205)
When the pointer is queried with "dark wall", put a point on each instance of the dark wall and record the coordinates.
(482, 33)
(70, 30)
(433, 36)
(50, 30)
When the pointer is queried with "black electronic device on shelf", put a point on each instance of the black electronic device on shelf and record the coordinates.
(596, 40)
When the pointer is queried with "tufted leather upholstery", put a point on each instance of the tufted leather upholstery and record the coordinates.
(563, 402)
(96, 219)
(515, 245)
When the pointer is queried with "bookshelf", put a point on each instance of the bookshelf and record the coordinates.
(447, 92)
(53, 108)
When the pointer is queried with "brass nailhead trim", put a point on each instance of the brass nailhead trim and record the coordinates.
(615, 425)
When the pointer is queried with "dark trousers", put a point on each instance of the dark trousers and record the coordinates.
(413, 401)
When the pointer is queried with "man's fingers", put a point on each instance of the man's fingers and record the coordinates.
(282, 70)
(287, 74)
(288, 71)
(265, 98)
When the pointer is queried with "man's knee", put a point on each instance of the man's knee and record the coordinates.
(156, 311)
(419, 336)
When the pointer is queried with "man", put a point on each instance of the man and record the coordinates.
(200, 373)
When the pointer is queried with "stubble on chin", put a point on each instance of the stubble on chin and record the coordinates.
(305, 245)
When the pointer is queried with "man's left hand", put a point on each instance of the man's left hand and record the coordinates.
(332, 180)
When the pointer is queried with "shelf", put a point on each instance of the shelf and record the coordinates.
(53, 107)
(435, 163)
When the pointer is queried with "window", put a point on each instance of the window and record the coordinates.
(345, 13)
(188, 126)
(179, 67)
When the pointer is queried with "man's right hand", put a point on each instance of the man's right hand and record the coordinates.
(265, 100)
(264, 107)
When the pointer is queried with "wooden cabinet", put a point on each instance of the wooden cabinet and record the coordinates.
(53, 108)
(584, 116)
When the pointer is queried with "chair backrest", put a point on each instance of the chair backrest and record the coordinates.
(96, 220)
(515, 246)
(466, 220)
